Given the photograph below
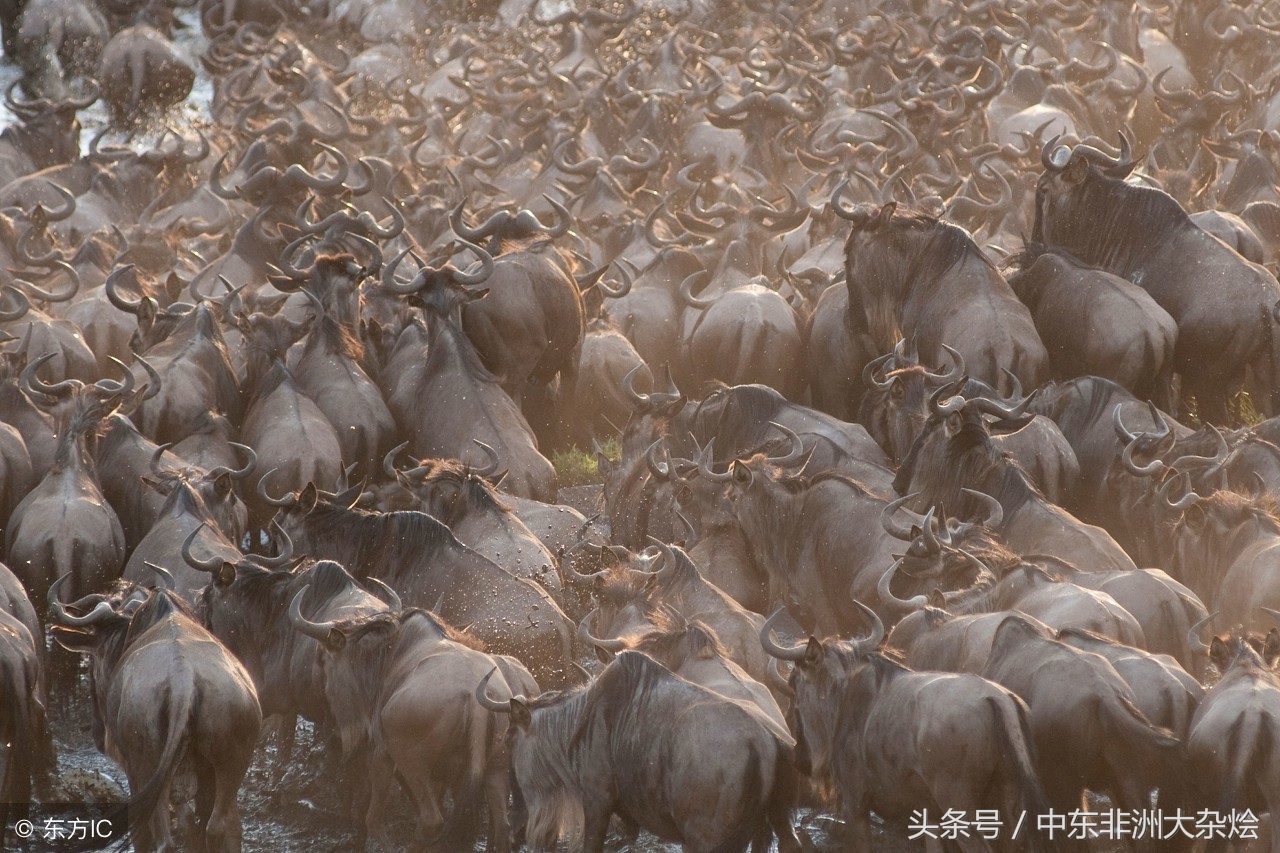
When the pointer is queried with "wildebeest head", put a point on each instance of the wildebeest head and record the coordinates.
(955, 452)
(1208, 532)
(945, 555)
(1063, 189)
(1239, 650)
(215, 488)
(447, 488)
(896, 403)
(818, 681)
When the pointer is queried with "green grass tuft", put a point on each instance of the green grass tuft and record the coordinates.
(577, 467)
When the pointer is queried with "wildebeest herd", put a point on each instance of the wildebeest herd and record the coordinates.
(898, 313)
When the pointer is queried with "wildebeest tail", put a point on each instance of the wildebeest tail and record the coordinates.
(462, 826)
(1249, 745)
(176, 711)
(782, 801)
(1014, 729)
(753, 807)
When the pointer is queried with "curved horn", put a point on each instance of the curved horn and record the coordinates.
(897, 531)
(164, 578)
(872, 641)
(686, 291)
(32, 384)
(1187, 501)
(660, 470)
(1155, 466)
(315, 630)
(114, 295)
(480, 275)
(797, 451)
(286, 551)
(873, 367)
(1054, 157)
(482, 696)
(995, 510)
(384, 592)
(100, 611)
(956, 371)
(211, 565)
(910, 605)
(389, 461)
(490, 468)
(1196, 644)
(584, 634)
(238, 473)
(795, 653)
(1122, 431)
(266, 498)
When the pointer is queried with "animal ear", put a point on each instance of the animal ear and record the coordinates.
(885, 215)
(1195, 516)
(335, 640)
(937, 599)
(953, 424)
(226, 574)
(222, 485)
(1271, 647)
(309, 497)
(479, 293)
(1219, 653)
(521, 716)
(1077, 170)
(147, 309)
(603, 656)
(742, 475)
(603, 465)
(173, 287)
(812, 652)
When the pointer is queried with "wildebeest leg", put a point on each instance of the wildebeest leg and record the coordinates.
(229, 766)
(859, 820)
(497, 789)
(595, 825)
(381, 772)
(286, 728)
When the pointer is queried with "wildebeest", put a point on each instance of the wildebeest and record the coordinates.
(479, 516)
(692, 651)
(895, 408)
(170, 703)
(630, 595)
(1232, 753)
(956, 465)
(915, 276)
(898, 741)
(427, 565)
(677, 759)
(466, 399)
(245, 605)
(400, 688)
(1226, 308)
(1094, 323)
(28, 750)
(65, 524)
(1088, 731)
